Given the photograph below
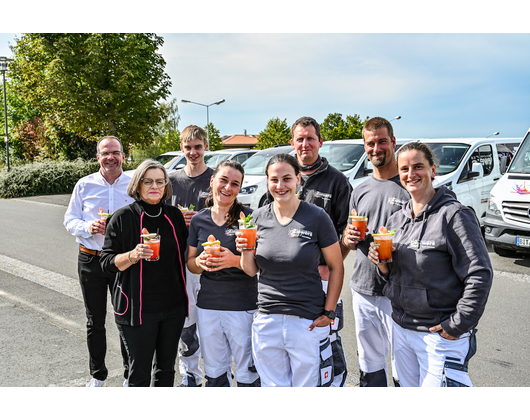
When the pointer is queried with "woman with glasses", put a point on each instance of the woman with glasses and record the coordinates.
(149, 297)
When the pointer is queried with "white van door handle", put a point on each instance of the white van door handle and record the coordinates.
(496, 179)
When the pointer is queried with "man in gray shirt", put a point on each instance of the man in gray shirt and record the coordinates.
(378, 198)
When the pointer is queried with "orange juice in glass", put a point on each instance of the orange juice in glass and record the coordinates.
(249, 231)
(360, 222)
(384, 240)
(184, 210)
(104, 216)
(152, 240)
(212, 247)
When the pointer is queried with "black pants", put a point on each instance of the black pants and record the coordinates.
(159, 334)
(94, 285)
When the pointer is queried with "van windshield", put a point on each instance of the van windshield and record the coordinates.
(213, 160)
(255, 165)
(449, 156)
(341, 156)
(521, 161)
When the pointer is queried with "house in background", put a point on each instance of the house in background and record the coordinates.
(244, 140)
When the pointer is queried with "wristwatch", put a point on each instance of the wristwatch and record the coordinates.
(330, 314)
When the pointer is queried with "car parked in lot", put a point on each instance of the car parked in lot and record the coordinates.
(176, 160)
(254, 189)
(212, 159)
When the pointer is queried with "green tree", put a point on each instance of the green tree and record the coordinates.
(90, 85)
(167, 134)
(276, 132)
(334, 127)
(214, 138)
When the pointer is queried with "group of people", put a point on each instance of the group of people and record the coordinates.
(275, 311)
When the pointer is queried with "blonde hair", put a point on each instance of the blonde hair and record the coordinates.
(192, 132)
(133, 189)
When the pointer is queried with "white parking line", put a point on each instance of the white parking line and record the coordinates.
(53, 281)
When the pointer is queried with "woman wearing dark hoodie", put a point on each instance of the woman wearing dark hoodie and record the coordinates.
(439, 280)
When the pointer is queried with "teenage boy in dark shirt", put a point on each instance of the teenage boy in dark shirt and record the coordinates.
(190, 187)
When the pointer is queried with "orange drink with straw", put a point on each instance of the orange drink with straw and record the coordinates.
(384, 240)
(152, 240)
(104, 216)
(360, 223)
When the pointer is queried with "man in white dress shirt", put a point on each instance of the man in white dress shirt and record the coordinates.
(104, 189)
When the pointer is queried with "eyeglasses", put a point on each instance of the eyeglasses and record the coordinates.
(159, 182)
(116, 153)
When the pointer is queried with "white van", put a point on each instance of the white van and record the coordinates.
(472, 167)
(468, 166)
(507, 224)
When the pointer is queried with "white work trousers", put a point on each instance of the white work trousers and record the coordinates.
(373, 327)
(189, 363)
(287, 354)
(421, 356)
(227, 334)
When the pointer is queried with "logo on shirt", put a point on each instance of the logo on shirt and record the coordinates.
(425, 244)
(396, 201)
(231, 232)
(299, 233)
(324, 196)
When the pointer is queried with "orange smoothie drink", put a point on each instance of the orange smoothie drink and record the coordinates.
(152, 240)
(212, 247)
(104, 216)
(360, 222)
(249, 231)
(385, 246)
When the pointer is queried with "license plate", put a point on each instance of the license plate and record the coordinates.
(523, 242)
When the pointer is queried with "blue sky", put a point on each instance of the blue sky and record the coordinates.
(450, 84)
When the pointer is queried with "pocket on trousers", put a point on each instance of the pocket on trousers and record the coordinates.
(455, 378)
(326, 363)
(84, 258)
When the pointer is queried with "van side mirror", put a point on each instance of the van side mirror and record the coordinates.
(369, 168)
(477, 171)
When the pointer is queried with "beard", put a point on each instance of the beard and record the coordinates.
(378, 161)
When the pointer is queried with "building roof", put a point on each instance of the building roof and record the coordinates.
(240, 140)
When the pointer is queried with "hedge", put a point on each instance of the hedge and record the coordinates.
(44, 178)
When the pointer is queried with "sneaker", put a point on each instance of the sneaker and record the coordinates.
(95, 383)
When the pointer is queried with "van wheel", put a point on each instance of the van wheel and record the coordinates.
(503, 252)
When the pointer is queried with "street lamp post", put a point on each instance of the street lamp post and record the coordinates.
(3, 68)
(207, 115)
(396, 118)
(493, 134)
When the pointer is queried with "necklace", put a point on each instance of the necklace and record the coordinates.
(159, 213)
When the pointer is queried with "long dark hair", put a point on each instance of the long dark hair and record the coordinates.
(233, 214)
